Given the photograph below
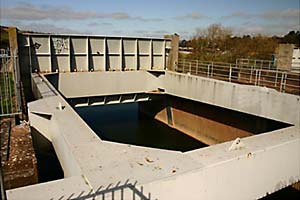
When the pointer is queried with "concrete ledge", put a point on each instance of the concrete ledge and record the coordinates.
(264, 164)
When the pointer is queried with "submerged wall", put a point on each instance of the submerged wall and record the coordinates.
(206, 123)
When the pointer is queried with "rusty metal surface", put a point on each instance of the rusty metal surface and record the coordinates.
(206, 123)
(205, 130)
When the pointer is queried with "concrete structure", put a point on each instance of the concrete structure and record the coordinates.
(50, 53)
(247, 168)
(91, 163)
(296, 60)
(284, 56)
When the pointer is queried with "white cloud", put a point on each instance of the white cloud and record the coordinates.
(27, 11)
(239, 14)
(269, 22)
(284, 14)
(288, 14)
(47, 28)
(193, 16)
(252, 28)
(96, 24)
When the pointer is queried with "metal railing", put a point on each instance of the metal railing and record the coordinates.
(282, 81)
(256, 64)
(295, 67)
(10, 100)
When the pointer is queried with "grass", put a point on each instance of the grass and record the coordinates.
(7, 104)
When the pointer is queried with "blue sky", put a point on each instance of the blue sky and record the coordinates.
(151, 18)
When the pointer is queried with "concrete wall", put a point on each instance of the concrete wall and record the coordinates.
(260, 101)
(85, 84)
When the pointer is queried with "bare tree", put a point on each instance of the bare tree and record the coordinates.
(215, 32)
(216, 43)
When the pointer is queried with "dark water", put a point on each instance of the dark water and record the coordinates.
(123, 123)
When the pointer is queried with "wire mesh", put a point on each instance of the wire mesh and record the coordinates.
(9, 85)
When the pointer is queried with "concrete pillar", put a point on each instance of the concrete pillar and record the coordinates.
(284, 55)
(13, 39)
(173, 54)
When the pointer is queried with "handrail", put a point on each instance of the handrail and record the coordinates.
(283, 81)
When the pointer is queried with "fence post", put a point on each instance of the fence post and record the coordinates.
(281, 82)
(208, 66)
(256, 77)
(190, 68)
(230, 71)
(251, 72)
(212, 69)
(197, 67)
(276, 78)
(259, 75)
(284, 83)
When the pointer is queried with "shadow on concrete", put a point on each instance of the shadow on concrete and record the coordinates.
(73, 63)
(54, 60)
(107, 61)
(243, 121)
(34, 61)
(91, 64)
(111, 192)
(54, 80)
(47, 162)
